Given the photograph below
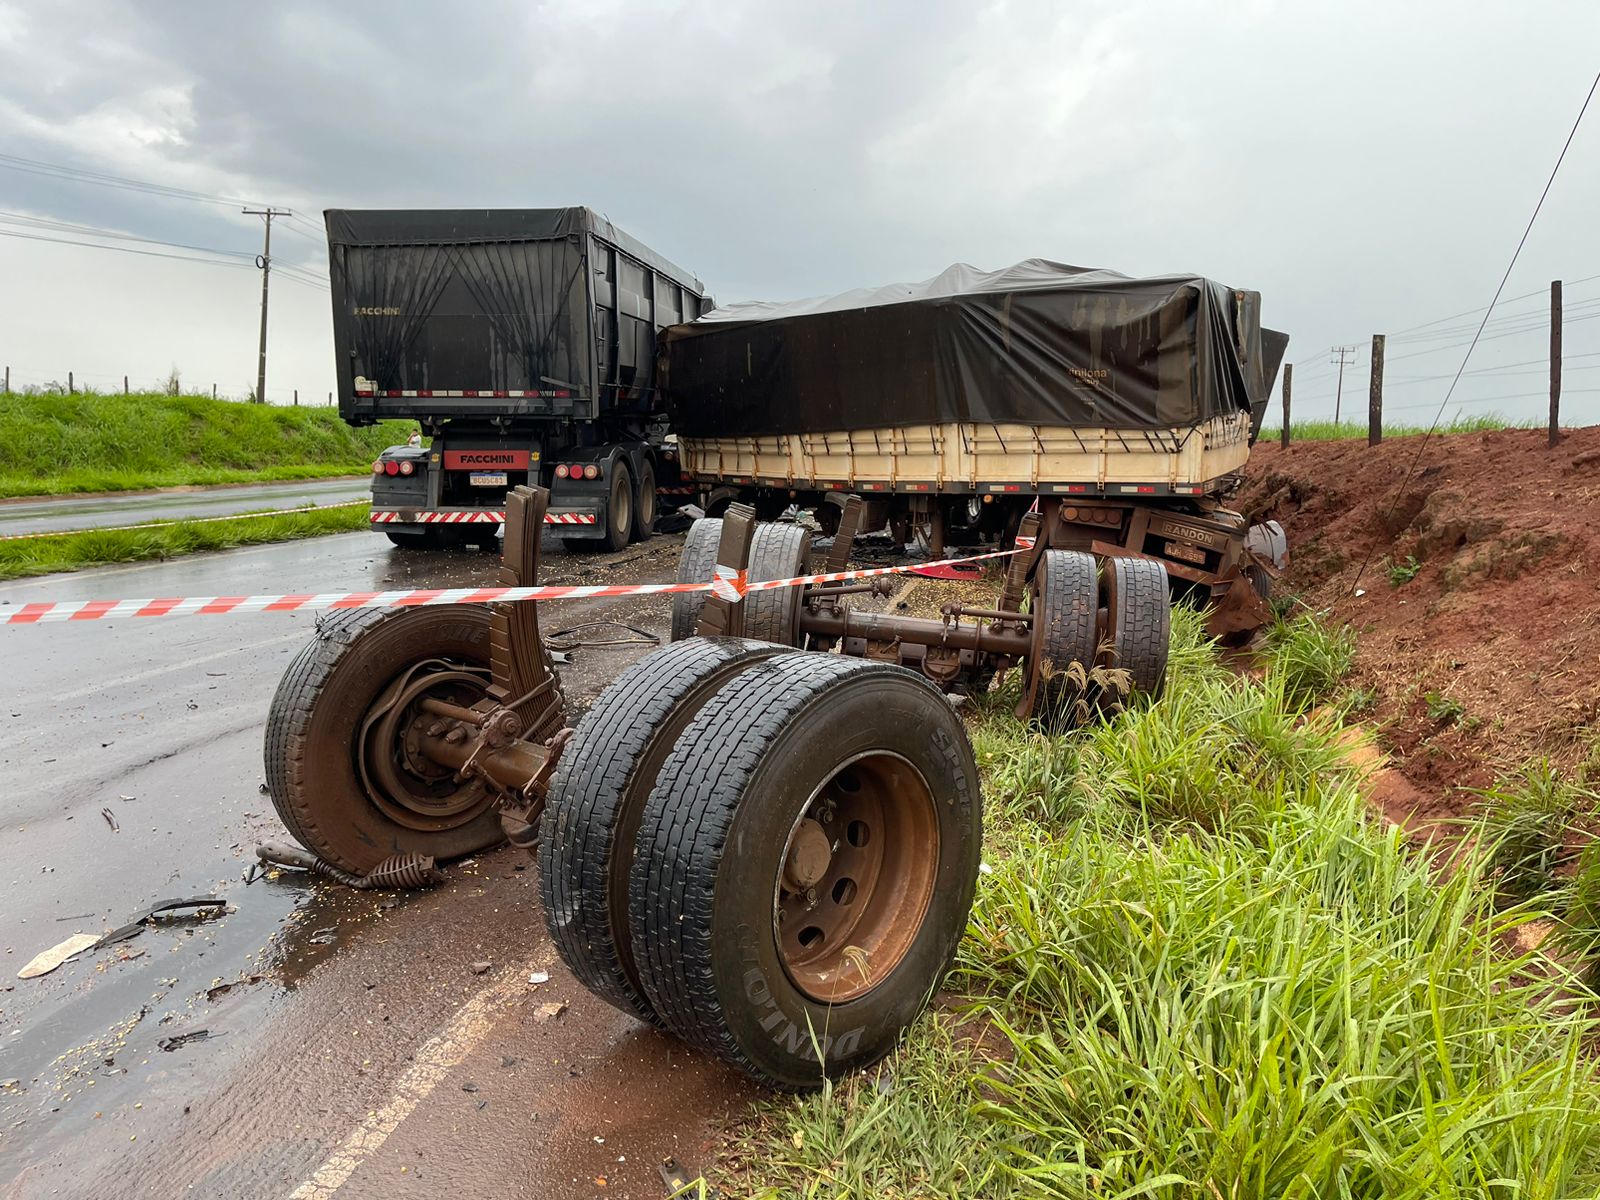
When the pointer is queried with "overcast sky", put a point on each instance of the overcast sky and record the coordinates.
(1368, 167)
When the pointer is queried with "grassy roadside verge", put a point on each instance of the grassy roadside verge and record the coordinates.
(53, 444)
(1327, 431)
(99, 547)
(1200, 967)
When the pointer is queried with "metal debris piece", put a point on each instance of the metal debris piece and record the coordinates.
(183, 1039)
(404, 871)
(539, 977)
(204, 906)
(48, 960)
(111, 820)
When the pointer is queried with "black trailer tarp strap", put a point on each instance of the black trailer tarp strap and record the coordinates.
(1038, 343)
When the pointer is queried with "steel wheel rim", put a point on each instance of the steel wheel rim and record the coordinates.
(856, 877)
(400, 780)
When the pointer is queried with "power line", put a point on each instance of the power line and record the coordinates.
(1493, 300)
(32, 166)
(36, 237)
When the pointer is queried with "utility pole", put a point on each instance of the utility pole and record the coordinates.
(1375, 393)
(1288, 382)
(1555, 362)
(1341, 355)
(264, 264)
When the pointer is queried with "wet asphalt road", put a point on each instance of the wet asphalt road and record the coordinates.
(352, 1051)
(61, 513)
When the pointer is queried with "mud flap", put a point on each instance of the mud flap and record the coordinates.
(1239, 611)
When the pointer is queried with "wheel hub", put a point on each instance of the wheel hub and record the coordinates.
(810, 854)
(400, 779)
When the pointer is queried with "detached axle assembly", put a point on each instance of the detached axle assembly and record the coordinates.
(768, 851)
(1084, 630)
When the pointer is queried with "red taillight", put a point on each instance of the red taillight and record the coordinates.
(377, 467)
(407, 467)
(391, 467)
(561, 471)
(591, 472)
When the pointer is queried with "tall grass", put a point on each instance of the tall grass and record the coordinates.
(52, 443)
(1327, 431)
(1198, 968)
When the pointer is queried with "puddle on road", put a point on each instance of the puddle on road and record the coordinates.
(95, 1048)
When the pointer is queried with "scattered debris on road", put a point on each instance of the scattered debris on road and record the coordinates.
(111, 820)
(48, 960)
(482, 968)
(170, 1044)
(539, 977)
(204, 908)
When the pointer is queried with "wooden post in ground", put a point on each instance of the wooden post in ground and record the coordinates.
(1555, 362)
(213, 391)
(297, 397)
(1375, 393)
(1288, 379)
(8, 381)
(124, 385)
(70, 386)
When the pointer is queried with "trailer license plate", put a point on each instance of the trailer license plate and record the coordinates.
(487, 479)
(1186, 553)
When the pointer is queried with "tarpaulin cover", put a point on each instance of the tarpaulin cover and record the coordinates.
(490, 300)
(1037, 343)
(452, 300)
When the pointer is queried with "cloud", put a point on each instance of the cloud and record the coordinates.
(1365, 166)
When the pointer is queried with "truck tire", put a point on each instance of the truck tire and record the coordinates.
(778, 552)
(425, 538)
(1259, 580)
(323, 774)
(732, 955)
(597, 795)
(1065, 604)
(619, 507)
(644, 509)
(1138, 628)
(695, 565)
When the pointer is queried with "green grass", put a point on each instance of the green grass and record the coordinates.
(1200, 967)
(1527, 816)
(98, 547)
(53, 444)
(1327, 431)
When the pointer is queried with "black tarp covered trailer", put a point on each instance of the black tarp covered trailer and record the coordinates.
(1038, 343)
(545, 312)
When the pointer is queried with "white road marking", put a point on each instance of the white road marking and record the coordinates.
(437, 1057)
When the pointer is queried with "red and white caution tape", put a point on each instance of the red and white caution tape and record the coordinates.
(726, 583)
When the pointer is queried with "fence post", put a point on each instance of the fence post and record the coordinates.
(71, 388)
(8, 381)
(1555, 362)
(297, 397)
(213, 391)
(124, 385)
(1288, 379)
(330, 399)
(1375, 393)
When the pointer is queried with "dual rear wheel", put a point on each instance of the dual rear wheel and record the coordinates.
(767, 852)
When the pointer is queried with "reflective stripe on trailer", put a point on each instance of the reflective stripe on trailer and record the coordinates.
(476, 516)
(469, 393)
